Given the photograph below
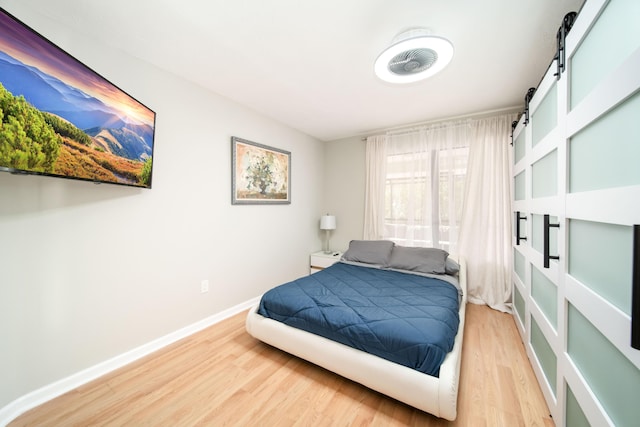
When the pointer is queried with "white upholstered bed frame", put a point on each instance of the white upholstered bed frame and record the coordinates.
(437, 396)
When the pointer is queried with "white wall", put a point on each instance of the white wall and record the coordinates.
(88, 272)
(344, 186)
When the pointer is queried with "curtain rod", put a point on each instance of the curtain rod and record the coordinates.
(410, 127)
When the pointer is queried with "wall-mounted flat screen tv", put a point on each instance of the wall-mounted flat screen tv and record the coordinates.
(60, 118)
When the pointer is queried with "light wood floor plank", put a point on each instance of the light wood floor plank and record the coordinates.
(223, 376)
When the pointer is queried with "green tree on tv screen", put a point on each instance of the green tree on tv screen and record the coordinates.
(27, 140)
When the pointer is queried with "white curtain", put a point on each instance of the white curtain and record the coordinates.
(375, 169)
(485, 232)
(447, 185)
(425, 172)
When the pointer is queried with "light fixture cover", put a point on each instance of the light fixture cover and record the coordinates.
(413, 55)
(328, 222)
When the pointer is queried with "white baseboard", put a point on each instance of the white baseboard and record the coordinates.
(37, 397)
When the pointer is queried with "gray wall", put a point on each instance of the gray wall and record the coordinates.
(344, 185)
(88, 272)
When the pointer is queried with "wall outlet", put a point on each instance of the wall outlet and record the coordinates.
(204, 286)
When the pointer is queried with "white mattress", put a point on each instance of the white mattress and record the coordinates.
(437, 396)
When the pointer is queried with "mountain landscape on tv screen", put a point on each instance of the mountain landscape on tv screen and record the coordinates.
(113, 148)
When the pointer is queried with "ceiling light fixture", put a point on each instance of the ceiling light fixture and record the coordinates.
(413, 55)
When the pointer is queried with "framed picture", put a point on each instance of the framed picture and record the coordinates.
(64, 119)
(259, 174)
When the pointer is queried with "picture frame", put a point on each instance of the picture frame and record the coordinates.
(260, 174)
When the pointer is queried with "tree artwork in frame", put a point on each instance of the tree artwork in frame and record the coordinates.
(259, 174)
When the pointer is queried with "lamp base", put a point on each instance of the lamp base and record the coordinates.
(325, 247)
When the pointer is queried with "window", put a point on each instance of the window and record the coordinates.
(423, 196)
(419, 180)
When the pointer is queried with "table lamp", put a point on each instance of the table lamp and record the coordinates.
(327, 223)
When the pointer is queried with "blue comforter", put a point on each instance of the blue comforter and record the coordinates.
(408, 319)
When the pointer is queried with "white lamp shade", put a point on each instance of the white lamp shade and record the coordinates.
(328, 222)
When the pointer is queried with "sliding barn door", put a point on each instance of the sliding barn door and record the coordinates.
(576, 155)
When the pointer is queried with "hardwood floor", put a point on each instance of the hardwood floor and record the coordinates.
(223, 376)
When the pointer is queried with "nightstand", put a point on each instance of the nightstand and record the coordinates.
(320, 260)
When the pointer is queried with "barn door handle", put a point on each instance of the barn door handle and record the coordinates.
(518, 219)
(635, 299)
(545, 243)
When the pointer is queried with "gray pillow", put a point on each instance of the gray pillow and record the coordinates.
(423, 260)
(375, 252)
(451, 267)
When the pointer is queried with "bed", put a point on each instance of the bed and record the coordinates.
(428, 387)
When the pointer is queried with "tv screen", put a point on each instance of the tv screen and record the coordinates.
(60, 118)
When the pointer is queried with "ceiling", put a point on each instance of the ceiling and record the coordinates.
(309, 64)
